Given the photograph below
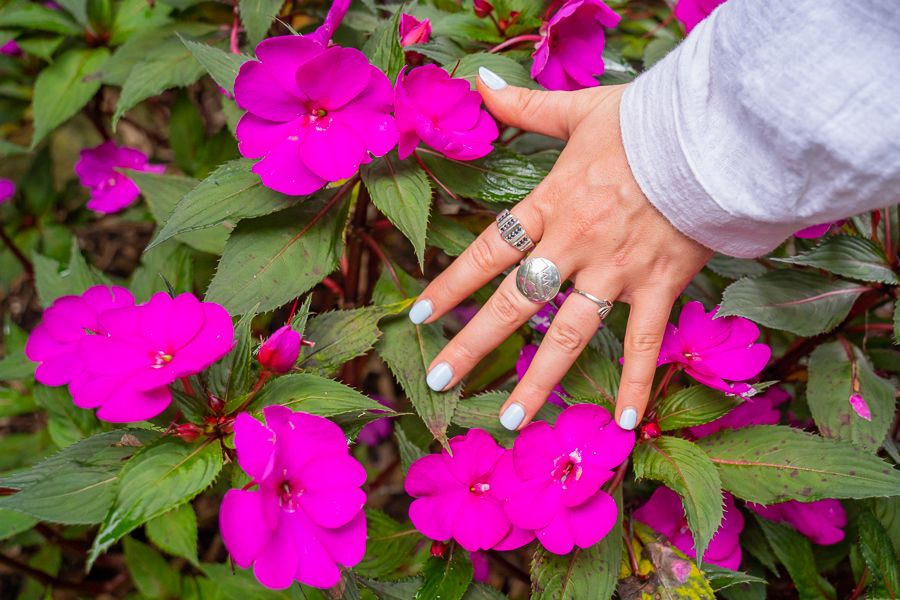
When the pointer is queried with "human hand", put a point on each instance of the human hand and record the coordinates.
(590, 218)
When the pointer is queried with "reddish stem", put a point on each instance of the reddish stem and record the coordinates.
(860, 585)
(23, 260)
(376, 249)
(513, 41)
(332, 285)
(235, 25)
(433, 177)
(188, 386)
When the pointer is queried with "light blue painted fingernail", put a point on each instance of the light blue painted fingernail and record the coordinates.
(439, 376)
(491, 79)
(512, 416)
(628, 419)
(420, 311)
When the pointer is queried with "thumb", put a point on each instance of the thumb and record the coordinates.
(549, 113)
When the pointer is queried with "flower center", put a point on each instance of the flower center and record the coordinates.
(480, 488)
(111, 181)
(161, 359)
(289, 499)
(567, 466)
(692, 355)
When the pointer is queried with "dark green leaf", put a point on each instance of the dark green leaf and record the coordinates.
(34, 15)
(13, 522)
(340, 336)
(848, 256)
(446, 578)
(63, 88)
(231, 376)
(271, 260)
(684, 468)
(828, 393)
(409, 451)
(222, 66)
(403, 589)
(151, 574)
(171, 264)
(448, 235)
(383, 48)
(156, 480)
(796, 301)
(402, 191)
(502, 176)
(734, 268)
(67, 423)
(483, 412)
(42, 47)
(176, 532)
(694, 405)
(481, 591)
(769, 464)
(320, 396)
(513, 72)
(137, 15)
(257, 16)
(720, 578)
(593, 376)
(143, 43)
(233, 583)
(389, 545)
(897, 322)
(875, 546)
(16, 365)
(795, 553)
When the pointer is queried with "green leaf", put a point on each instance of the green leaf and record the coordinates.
(684, 468)
(156, 480)
(482, 411)
(257, 16)
(501, 177)
(694, 405)
(230, 193)
(151, 574)
(231, 376)
(584, 573)
(176, 532)
(171, 264)
(767, 464)
(848, 256)
(73, 281)
(408, 349)
(222, 66)
(16, 365)
(796, 301)
(271, 260)
(828, 393)
(13, 522)
(389, 545)
(36, 16)
(795, 553)
(169, 65)
(734, 268)
(76, 485)
(402, 191)
(409, 451)
(403, 589)
(593, 376)
(875, 546)
(42, 47)
(137, 15)
(340, 336)
(63, 88)
(143, 43)
(163, 193)
(481, 591)
(319, 396)
(448, 235)
(720, 578)
(383, 48)
(67, 423)
(446, 578)
(513, 72)
(233, 583)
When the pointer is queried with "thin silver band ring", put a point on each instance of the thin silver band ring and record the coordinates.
(605, 305)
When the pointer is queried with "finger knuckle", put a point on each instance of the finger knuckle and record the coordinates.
(530, 103)
(481, 255)
(504, 307)
(462, 353)
(565, 338)
(644, 342)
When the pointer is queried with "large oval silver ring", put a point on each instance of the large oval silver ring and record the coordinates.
(538, 279)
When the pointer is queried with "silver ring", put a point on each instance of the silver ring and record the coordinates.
(538, 279)
(605, 305)
(513, 233)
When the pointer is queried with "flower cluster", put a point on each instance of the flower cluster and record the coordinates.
(548, 486)
(111, 190)
(119, 357)
(305, 517)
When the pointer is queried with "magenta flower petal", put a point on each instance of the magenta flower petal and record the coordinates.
(242, 525)
(128, 404)
(258, 458)
(111, 191)
(413, 31)
(346, 544)
(434, 516)
(333, 508)
(860, 407)
(284, 170)
(592, 520)
(253, 91)
(332, 93)
(276, 563)
(480, 523)
(536, 455)
(7, 189)
(256, 134)
(332, 153)
(557, 536)
(821, 521)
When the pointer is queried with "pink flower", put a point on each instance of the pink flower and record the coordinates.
(542, 318)
(333, 19)
(691, 12)
(280, 351)
(817, 231)
(526, 356)
(758, 410)
(551, 480)
(860, 406)
(55, 343)
(443, 112)
(482, 8)
(414, 31)
(570, 54)
(715, 350)
(377, 431)
(147, 347)
(10, 48)
(308, 125)
(456, 496)
(111, 191)
(306, 516)
(820, 521)
(664, 513)
(7, 189)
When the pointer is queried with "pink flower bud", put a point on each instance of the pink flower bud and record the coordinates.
(860, 407)
(280, 351)
(651, 431)
(482, 8)
(414, 31)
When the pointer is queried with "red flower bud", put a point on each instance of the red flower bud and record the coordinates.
(280, 351)
(482, 8)
(438, 549)
(215, 404)
(188, 431)
(651, 431)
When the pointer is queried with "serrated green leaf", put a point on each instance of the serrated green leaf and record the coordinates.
(828, 393)
(734, 268)
(481, 591)
(403, 589)
(797, 301)
(686, 469)
(408, 349)
(340, 336)
(234, 583)
(446, 578)
(875, 546)
(402, 191)
(222, 66)
(383, 48)
(36, 16)
(848, 256)
(272, 259)
(76, 485)
(513, 72)
(720, 578)
(156, 480)
(593, 376)
(319, 396)
(389, 546)
(142, 43)
(694, 405)
(63, 88)
(502, 177)
(795, 553)
(151, 574)
(137, 15)
(257, 16)
(448, 235)
(768, 464)
(231, 376)
(67, 423)
(176, 532)
(482, 411)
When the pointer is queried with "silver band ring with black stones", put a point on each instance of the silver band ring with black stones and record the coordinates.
(513, 233)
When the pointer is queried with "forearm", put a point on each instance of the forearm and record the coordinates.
(770, 117)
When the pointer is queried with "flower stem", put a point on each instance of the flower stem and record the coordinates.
(513, 41)
(434, 177)
(662, 387)
(20, 256)
(377, 251)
